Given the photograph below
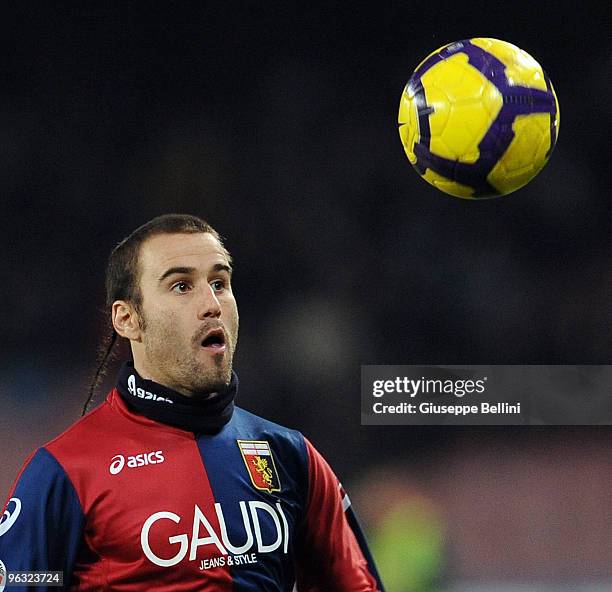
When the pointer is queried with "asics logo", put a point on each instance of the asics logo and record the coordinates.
(9, 518)
(138, 460)
(116, 465)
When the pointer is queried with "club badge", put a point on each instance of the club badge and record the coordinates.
(259, 461)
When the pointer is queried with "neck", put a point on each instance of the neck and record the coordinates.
(196, 412)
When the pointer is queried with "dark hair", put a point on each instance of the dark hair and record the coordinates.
(123, 274)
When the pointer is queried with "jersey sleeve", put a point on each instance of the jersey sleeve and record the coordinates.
(42, 522)
(332, 553)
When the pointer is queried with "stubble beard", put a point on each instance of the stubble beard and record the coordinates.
(176, 362)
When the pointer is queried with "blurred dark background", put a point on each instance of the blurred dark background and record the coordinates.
(278, 125)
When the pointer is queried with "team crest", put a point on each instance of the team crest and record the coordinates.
(259, 461)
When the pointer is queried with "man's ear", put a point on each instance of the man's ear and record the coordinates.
(125, 320)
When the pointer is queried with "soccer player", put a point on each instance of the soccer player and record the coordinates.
(167, 485)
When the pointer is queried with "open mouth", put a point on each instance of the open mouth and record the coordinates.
(215, 341)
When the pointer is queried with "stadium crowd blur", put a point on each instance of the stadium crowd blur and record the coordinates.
(278, 127)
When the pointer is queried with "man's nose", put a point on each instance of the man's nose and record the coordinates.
(209, 306)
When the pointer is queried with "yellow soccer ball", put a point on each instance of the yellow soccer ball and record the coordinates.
(478, 118)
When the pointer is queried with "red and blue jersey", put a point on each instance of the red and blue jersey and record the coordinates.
(123, 502)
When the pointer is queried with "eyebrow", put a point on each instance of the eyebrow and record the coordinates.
(190, 270)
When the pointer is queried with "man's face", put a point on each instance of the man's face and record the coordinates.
(190, 329)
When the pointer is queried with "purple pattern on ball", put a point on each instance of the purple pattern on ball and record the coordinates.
(518, 100)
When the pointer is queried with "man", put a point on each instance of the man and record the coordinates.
(167, 485)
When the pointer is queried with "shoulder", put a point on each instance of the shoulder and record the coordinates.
(86, 449)
(254, 426)
(82, 435)
(40, 469)
(246, 417)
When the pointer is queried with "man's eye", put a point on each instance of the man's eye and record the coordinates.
(218, 285)
(180, 287)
